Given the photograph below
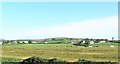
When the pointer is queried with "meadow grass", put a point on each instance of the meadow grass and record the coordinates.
(66, 52)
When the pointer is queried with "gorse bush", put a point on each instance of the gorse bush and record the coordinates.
(38, 60)
(84, 60)
(34, 60)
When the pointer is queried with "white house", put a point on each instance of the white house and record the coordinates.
(1, 42)
(23, 42)
(34, 42)
(14, 42)
(46, 42)
(26, 42)
(83, 42)
(102, 41)
(72, 42)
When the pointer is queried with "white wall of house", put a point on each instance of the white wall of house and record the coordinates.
(34, 42)
(15, 42)
(72, 42)
(102, 41)
(46, 42)
(1, 43)
(21, 41)
(25, 41)
(83, 42)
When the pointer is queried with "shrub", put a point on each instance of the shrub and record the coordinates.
(83, 60)
(36, 60)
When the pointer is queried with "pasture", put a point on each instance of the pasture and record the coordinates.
(66, 52)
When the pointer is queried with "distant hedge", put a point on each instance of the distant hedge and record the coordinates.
(117, 41)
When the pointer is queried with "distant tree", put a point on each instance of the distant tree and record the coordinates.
(4, 42)
(87, 42)
(23, 42)
(18, 42)
(112, 38)
(106, 40)
(29, 41)
(97, 41)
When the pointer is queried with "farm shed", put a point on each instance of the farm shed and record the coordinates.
(23, 41)
(87, 42)
(1, 42)
(34, 42)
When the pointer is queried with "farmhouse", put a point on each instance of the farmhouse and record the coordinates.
(102, 41)
(46, 42)
(1, 42)
(23, 41)
(34, 42)
(87, 42)
(15, 41)
(82, 42)
(74, 42)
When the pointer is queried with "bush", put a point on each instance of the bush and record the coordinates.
(55, 60)
(36, 60)
(83, 60)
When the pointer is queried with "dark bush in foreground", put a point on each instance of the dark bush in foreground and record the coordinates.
(34, 59)
(38, 60)
(83, 60)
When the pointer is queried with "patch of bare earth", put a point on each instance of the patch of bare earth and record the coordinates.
(72, 60)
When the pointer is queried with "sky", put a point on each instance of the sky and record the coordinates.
(36, 20)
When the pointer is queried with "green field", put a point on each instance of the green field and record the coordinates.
(66, 52)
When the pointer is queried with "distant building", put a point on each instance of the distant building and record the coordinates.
(102, 41)
(1, 42)
(72, 43)
(34, 42)
(46, 42)
(23, 41)
(82, 42)
(26, 42)
(15, 42)
(86, 42)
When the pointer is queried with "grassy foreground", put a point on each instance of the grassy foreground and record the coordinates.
(66, 52)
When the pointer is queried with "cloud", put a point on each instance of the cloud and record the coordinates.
(97, 28)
